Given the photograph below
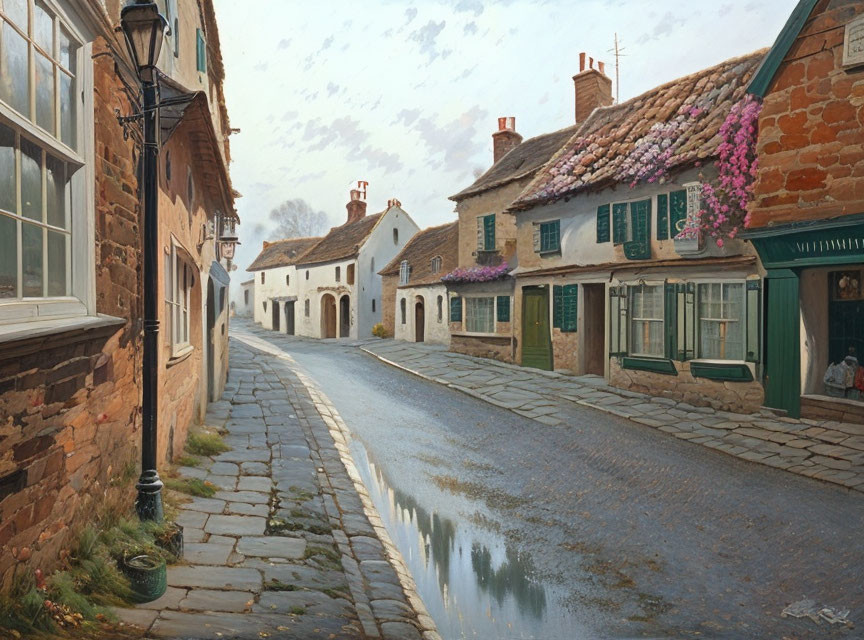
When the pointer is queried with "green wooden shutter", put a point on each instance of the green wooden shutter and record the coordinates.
(639, 247)
(455, 309)
(662, 217)
(603, 223)
(686, 313)
(569, 307)
(671, 320)
(201, 51)
(753, 340)
(677, 211)
(502, 304)
(489, 232)
(783, 341)
(480, 234)
(619, 223)
(557, 302)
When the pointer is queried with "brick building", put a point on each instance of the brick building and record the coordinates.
(808, 210)
(70, 259)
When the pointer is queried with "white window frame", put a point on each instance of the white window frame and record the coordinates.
(404, 272)
(435, 264)
(466, 305)
(79, 307)
(742, 320)
(179, 278)
(632, 319)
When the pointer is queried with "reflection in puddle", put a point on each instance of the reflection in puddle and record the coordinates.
(474, 584)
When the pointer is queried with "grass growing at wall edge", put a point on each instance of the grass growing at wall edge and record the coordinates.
(204, 443)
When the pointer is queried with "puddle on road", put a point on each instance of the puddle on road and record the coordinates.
(474, 584)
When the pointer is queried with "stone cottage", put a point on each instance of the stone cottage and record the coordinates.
(807, 216)
(276, 285)
(71, 297)
(615, 277)
(340, 285)
(413, 298)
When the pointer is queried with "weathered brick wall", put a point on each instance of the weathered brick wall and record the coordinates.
(811, 145)
(69, 404)
(388, 303)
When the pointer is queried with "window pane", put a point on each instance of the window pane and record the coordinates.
(67, 49)
(56, 263)
(16, 11)
(7, 170)
(14, 85)
(67, 110)
(56, 192)
(31, 260)
(31, 180)
(479, 315)
(8, 257)
(43, 28)
(44, 93)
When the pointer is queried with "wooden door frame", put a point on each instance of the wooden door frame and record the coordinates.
(544, 289)
(420, 303)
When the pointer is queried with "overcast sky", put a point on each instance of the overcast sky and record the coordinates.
(406, 94)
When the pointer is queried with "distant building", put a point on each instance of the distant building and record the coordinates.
(413, 298)
(339, 281)
(245, 306)
(276, 285)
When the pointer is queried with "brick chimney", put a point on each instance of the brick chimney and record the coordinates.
(593, 88)
(356, 206)
(505, 138)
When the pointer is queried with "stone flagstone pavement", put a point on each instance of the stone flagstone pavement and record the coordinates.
(827, 450)
(290, 546)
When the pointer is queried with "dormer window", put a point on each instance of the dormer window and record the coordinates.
(436, 264)
(404, 272)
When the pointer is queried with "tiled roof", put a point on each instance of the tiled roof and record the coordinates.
(435, 241)
(613, 142)
(281, 253)
(520, 162)
(341, 242)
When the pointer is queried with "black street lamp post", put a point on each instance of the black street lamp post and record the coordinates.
(144, 28)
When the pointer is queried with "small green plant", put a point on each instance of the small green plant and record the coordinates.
(277, 585)
(188, 461)
(191, 486)
(203, 443)
(380, 331)
(297, 611)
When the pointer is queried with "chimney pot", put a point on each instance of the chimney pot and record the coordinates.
(581, 62)
(356, 207)
(602, 67)
(505, 138)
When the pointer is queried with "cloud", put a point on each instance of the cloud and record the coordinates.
(474, 6)
(724, 9)
(376, 157)
(326, 44)
(284, 43)
(289, 115)
(426, 36)
(343, 131)
(470, 28)
(261, 66)
(410, 14)
(407, 117)
(666, 26)
(454, 139)
(332, 89)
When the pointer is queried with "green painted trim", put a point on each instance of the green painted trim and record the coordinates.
(838, 242)
(724, 372)
(655, 365)
(764, 75)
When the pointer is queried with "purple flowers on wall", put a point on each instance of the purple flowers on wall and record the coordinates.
(477, 274)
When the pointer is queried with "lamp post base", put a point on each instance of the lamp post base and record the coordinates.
(148, 505)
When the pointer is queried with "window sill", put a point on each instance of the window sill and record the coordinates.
(723, 371)
(478, 334)
(549, 253)
(50, 326)
(179, 356)
(652, 364)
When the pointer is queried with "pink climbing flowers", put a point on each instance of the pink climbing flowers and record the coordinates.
(477, 274)
(724, 200)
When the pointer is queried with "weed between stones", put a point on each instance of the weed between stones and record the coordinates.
(187, 461)
(191, 486)
(205, 443)
(277, 585)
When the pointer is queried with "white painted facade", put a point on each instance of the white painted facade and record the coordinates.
(436, 327)
(273, 288)
(317, 281)
(245, 304)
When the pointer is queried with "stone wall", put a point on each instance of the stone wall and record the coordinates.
(565, 350)
(70, 403)
(811, 160)
(388, 303)
(497, 348)
(492, 201)
(742, 397)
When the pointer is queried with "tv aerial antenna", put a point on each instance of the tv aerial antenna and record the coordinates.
(616, 50)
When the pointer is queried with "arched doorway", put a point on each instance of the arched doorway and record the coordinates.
(419, 320)
(328, 316)
(289, 318)
(209, 337)
(344, 316)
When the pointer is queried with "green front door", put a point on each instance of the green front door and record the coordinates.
(782, 342)
(536, 339)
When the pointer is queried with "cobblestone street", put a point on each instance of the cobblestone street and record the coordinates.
(288, 547)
